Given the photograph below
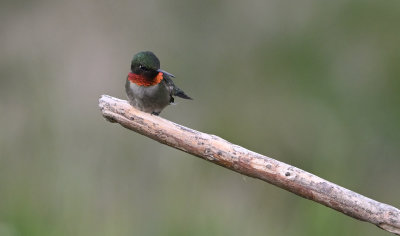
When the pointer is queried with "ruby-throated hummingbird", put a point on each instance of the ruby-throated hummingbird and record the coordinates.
(149, 88)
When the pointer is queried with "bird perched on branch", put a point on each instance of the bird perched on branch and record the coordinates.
(149, 88)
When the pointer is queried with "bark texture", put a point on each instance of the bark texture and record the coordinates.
(221, 152)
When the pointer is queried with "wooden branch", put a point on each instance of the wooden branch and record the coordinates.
(219, 151)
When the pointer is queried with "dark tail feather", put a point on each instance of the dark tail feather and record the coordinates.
(181, 94)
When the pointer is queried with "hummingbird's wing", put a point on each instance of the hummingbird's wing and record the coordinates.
(175, 91)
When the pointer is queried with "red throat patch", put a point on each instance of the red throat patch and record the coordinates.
(142, 81)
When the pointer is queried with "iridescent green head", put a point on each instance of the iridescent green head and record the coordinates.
(146, 63)
(145, 60)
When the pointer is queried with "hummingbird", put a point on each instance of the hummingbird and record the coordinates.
(149, 88)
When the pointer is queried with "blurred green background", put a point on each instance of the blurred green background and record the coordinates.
(311, 83)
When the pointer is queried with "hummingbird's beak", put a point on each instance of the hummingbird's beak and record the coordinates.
(164, 72)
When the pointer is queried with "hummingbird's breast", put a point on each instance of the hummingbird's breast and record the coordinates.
(148, 98)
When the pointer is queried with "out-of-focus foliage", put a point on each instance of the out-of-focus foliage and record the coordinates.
(312, 83)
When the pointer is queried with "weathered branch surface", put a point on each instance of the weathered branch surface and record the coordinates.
(221, 152)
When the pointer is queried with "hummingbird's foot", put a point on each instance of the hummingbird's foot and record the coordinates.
(155, 113)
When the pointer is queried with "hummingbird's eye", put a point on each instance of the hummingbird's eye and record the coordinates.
(143, 68)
